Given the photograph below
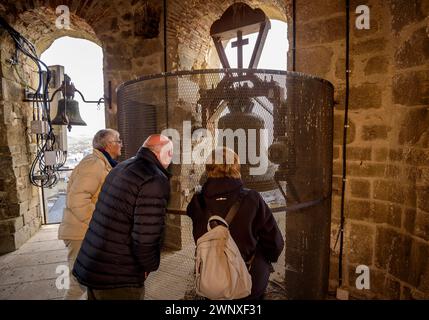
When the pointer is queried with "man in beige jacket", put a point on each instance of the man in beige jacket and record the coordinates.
(82, 194)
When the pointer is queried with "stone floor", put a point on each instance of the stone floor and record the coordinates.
(30, 272)
(55, 211)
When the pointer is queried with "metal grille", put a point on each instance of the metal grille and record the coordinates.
(295, 110)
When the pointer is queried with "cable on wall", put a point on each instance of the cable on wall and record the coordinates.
(41, 174)
(294, 35)
(345, 130)
(165, 60)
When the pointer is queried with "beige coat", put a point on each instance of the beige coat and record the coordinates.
(82, 194)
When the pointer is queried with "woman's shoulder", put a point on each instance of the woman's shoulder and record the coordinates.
(194, 202)
(251, 195)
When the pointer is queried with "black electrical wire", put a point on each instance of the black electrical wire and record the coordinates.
(294, 35)
(165, 60)
(20, 43)
(346, 125)
(45, 142)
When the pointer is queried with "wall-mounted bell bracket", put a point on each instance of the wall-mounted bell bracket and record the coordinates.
(68, 90)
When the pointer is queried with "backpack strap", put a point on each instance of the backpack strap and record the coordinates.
(201, 201)
(230, 216)
(234, 209)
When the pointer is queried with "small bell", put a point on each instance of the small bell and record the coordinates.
(68, 114)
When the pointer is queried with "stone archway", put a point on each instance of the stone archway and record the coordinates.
(188, 30)
(130, 49)
(20, 210)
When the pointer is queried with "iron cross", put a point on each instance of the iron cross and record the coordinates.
(239, 44)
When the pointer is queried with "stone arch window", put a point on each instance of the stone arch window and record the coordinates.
(189, 44)
(83, 62)
(21, 205)
(274, 54)
(247, 19)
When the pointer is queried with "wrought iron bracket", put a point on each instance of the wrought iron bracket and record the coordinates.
(34, 97)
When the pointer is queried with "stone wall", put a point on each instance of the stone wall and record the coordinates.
(387, 220)
(20, 215)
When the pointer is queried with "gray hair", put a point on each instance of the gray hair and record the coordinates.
(101, 138)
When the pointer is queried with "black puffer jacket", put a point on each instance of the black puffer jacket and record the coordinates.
(124, 236)
(253, 229)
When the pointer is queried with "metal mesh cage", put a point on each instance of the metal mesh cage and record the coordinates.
(281, 119)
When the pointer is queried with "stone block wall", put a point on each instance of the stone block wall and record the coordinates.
(387, 147)
(20, 214)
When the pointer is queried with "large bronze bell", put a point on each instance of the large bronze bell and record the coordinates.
(240, 116)
(68, 114)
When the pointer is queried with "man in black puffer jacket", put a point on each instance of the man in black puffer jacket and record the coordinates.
(123, 241)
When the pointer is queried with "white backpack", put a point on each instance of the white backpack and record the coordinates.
(221, 273)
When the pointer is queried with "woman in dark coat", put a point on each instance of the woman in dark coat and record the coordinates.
(253, 229)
